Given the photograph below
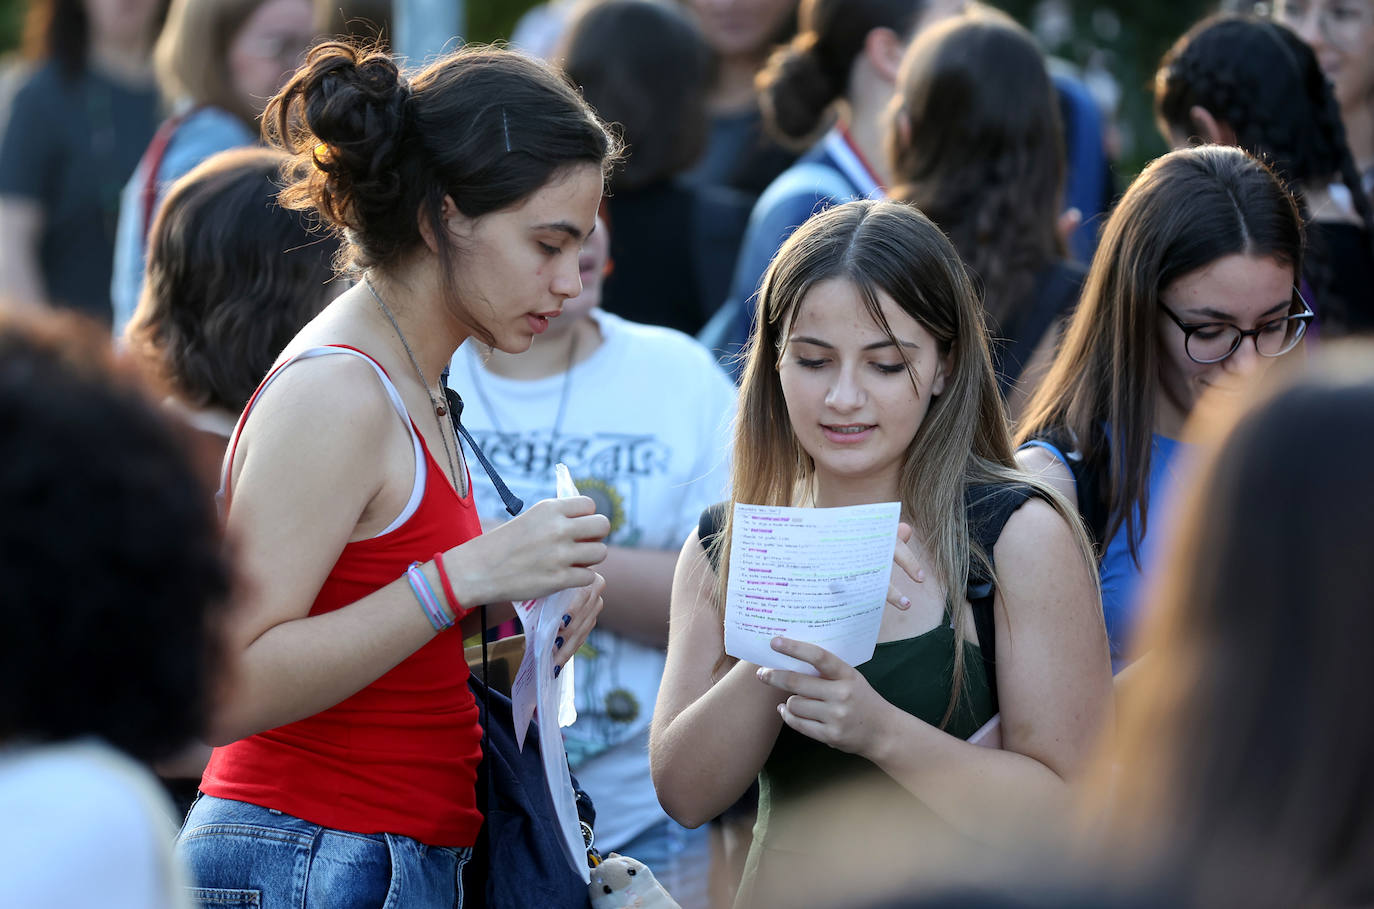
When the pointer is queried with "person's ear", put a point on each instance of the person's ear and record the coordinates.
(883, 49)
(448, 214)
(1209, 128)
(942, 374)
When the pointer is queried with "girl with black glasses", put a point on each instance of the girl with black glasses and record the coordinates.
(1192, 292)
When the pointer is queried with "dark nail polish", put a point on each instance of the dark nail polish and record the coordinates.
(557, 643)
(566, 619)
(556, 670)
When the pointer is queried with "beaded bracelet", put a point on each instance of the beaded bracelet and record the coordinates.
(425, 594)
(454, 607)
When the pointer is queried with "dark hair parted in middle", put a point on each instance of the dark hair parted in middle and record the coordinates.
(976, 144)
(645, 66)
(801, 79)
(1185, 211)
(231, 278)
(482, 126)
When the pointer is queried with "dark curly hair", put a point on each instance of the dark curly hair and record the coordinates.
(985, 159)
(231, 278)
(113, 573)
(485, 126)
(803, 78)
(1265, 83)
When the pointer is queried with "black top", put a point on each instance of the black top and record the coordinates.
(673, 247)
(1341, 266)
(1052, 298)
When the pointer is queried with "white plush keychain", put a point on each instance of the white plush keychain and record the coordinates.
(621, 882)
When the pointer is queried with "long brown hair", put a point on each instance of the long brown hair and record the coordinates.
(1244, 762)
(1185, 210)
(985, 159)
(888, 248)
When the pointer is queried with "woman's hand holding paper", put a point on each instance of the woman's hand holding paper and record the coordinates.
(839, 708)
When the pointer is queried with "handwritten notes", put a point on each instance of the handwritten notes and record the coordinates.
(818, 575)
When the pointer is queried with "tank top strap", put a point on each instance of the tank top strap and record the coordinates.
(417, 491)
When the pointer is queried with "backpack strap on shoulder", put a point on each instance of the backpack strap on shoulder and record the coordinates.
(989, 508)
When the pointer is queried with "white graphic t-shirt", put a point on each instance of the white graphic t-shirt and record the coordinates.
(643, 425)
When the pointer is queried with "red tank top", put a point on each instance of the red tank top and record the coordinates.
(401, 755)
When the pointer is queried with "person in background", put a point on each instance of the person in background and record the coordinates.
(869, 381)
(974, 143)
(840, 68)
(116, 589)
(232, 277)
(1341, 33)
(351, 739)
(1193, 289)
(739, 152)
(217, 61)
(640, 414)
(645, 66)
(1242, 772)
(79, 120)
(1253, 83)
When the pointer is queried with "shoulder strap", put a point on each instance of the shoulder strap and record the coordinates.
(152, 161)
(1087, 479)
(417, 491)
(709, 526)
(988, 508)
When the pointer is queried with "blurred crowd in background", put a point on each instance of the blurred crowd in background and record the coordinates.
(1121, 259)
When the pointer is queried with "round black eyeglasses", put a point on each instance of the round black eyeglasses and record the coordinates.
(1212, 342)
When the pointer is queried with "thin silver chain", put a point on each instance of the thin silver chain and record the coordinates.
(473, 370)
(440, 408)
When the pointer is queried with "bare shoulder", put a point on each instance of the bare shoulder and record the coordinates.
(1043, 567)
(1036, 530)
(1041, 463)
(328, 411)
(694, 577)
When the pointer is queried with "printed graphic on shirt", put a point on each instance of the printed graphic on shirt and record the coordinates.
(613, 469)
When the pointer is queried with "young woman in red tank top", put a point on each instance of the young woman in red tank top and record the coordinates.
(348, 738)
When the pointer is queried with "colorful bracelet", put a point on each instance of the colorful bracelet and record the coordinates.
(425, 594)
(454, 607)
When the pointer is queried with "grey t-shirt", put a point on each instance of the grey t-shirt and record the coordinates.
(69, 144)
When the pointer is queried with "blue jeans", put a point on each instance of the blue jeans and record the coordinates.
(244, 855)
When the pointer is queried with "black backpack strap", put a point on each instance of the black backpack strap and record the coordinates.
(988, 509)
(709, 526)
(1087, 479)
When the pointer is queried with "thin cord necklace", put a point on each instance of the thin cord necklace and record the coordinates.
(440, 406)
(562, 394)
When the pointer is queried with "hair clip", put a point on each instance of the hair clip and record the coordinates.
(322, 155)
(505, 128)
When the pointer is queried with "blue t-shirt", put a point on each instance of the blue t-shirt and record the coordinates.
(1118, 573)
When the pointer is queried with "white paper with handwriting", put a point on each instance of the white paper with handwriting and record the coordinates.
(818, 575)
(536, 693)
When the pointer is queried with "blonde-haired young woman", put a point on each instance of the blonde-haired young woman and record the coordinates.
(868, 379)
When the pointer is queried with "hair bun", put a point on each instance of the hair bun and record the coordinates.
(346, 106)
(794, 90)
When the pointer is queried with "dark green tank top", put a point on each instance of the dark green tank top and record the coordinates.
(811, 795)
(809, 791)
